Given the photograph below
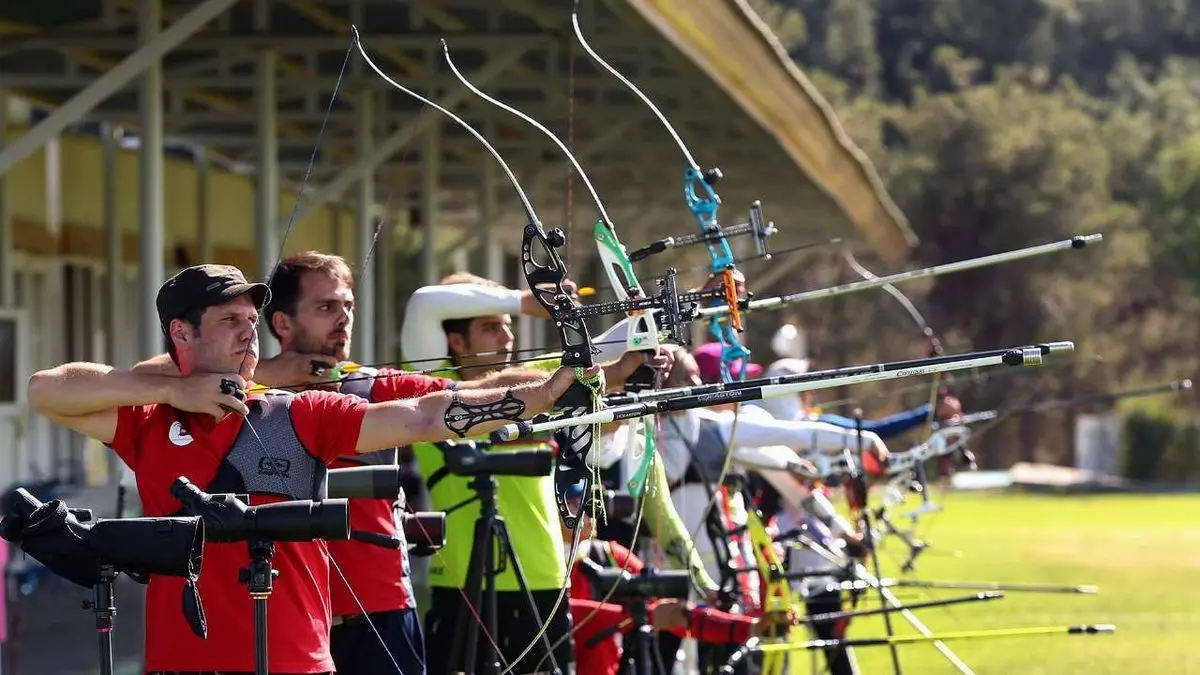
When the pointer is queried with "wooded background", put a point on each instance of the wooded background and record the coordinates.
(1000, 125)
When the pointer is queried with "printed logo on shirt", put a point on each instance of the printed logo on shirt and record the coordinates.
(178, 435)
(274, 466)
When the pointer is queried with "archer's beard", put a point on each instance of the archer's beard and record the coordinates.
(337, 350)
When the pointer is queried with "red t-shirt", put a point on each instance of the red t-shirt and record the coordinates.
(378, 576)
(159, 444)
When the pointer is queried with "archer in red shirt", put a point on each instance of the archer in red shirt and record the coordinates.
(594, 621)
(190, 425)
(311, 312)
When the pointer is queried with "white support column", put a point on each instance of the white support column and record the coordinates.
(55, 296)
(493, 250)
(114, 347)
(364, 232)
(8, 291)
(431, 151)
(114, 321)
(204, 242)
(266, 183)
(113, 80)
(150, 199)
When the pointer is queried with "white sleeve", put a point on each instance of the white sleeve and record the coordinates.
(613, 446)
(422, 337)
(616, 339)
(791, 490)
(765, 457)
(800, 435)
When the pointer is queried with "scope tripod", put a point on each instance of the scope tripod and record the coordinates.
(490, 529)
(104, 605)
(259, 578)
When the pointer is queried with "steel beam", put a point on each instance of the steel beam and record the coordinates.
(112, 81)
(150, 178)
(364, 229)
(300, 44)
(586, 84)
(384, 150)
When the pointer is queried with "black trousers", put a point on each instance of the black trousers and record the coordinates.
(821, 603)
(515, 627)
(356, 649)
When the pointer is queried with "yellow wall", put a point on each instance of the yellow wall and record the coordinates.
(230, 208)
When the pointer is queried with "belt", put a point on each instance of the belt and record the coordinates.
(348, 619)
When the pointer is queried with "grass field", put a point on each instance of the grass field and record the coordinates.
(1143, 552)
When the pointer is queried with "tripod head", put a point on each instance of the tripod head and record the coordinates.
(467, 458)
(228, 518)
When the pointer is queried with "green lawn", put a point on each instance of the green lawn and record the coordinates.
(1143, 552)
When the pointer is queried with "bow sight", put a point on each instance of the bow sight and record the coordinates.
(755, 227)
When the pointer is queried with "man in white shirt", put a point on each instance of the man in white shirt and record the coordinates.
(466, 325)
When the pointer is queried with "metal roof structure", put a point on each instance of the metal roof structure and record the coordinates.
(812, 181)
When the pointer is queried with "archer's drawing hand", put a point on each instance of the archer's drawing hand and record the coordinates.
(203, 393)
(289, 369)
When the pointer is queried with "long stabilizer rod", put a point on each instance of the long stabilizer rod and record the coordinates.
(1021, 356)
(1083, 629)
(1076, 242)
(818, 376)
(958, 600)
(1083, 589)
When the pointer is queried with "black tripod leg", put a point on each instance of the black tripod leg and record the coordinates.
(466, 629)
(502, 535)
